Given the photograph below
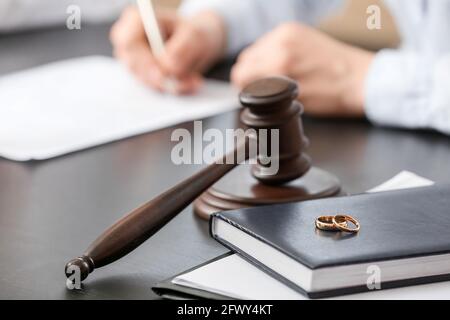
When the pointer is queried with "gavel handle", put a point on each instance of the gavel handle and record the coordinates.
(140, 224)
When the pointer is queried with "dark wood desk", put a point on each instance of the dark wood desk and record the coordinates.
(45, 206)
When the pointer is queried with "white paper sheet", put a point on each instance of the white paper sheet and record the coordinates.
(234, 277)
(404, 179)
(75, 104)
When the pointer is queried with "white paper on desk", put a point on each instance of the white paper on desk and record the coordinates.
(76, 104)
(234, 277)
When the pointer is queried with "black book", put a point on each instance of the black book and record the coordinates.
(404, 240)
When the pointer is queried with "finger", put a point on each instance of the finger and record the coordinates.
(167, 20)
(247, 71)
(189, 84)
(241, 76)
(182, 52)
(128, 30)
(259, 61)
(142, 64)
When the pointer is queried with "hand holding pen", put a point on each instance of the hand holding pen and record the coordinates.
(166, 51)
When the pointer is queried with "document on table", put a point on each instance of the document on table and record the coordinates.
(234, 277)
(71, 105)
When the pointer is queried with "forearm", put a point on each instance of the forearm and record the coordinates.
(409, 90)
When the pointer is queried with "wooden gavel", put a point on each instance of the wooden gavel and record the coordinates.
(268, 104)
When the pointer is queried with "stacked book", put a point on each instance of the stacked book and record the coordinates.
(280, 254)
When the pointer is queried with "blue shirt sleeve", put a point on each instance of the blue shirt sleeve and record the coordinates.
(409, 86)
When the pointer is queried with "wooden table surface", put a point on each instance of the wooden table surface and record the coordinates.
(50, 211)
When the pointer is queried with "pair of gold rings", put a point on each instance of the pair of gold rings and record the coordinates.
(337, 223)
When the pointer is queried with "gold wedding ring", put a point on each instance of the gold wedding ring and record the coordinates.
(337, 223)
(326, 223)
(338, 219)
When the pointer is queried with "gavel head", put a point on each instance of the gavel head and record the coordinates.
(270, 105)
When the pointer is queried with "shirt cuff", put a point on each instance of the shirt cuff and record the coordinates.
(396, 90)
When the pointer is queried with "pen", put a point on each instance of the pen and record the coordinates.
(153, 33)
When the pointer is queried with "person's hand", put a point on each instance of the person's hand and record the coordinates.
(331, 74)
(192, 45)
